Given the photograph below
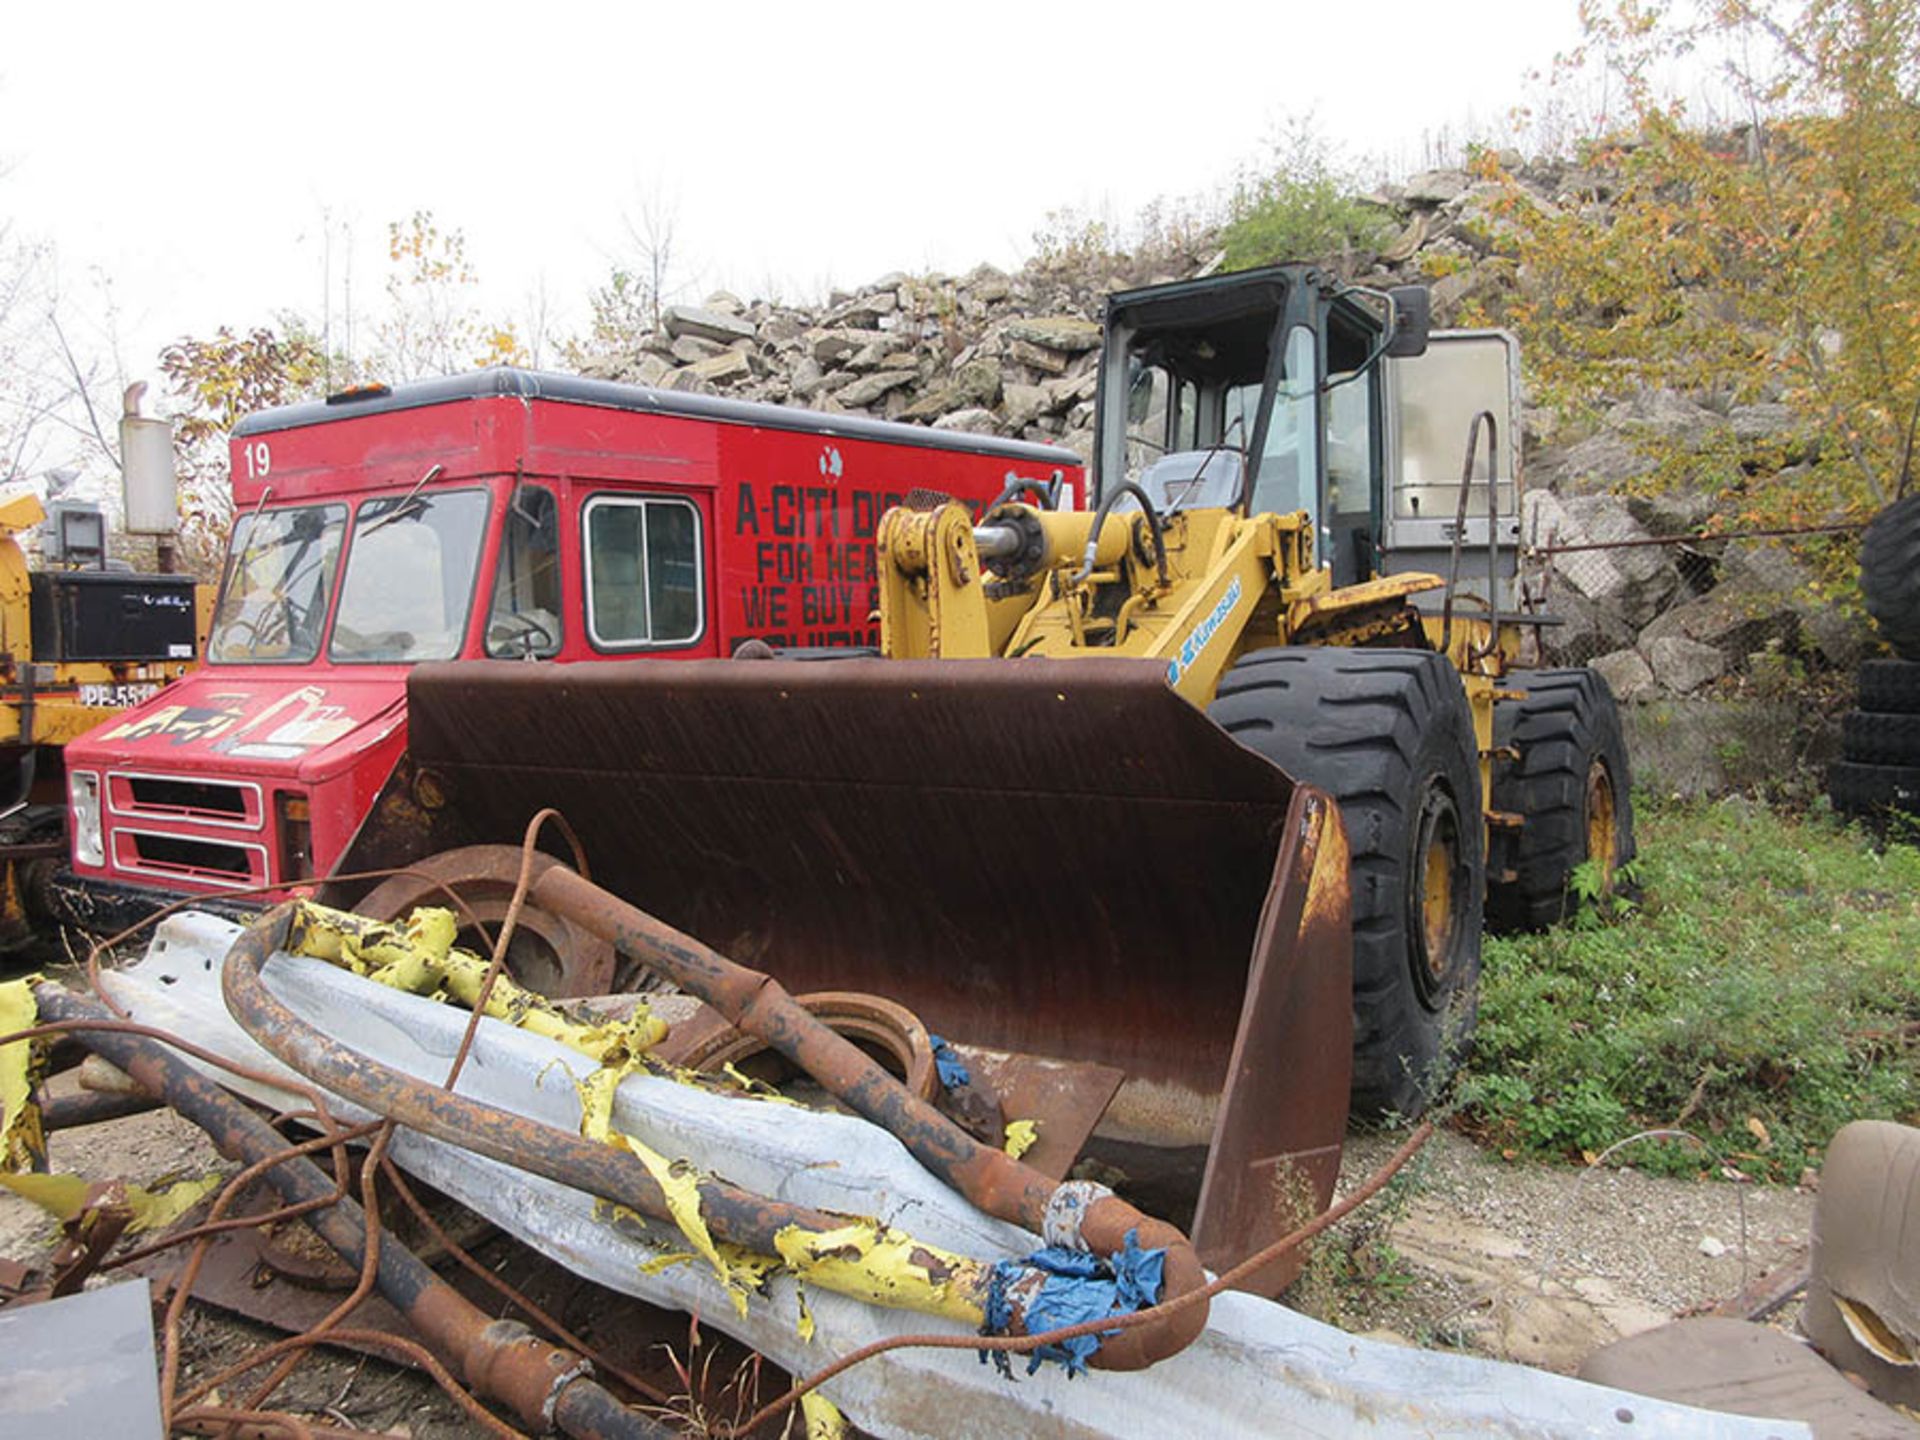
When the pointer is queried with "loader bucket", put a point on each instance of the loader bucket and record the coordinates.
(1053, 858)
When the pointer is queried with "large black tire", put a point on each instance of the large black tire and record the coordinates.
(1389, 735)
(1890, 574)
(1874, 791)
(1890, 687)
(1571, 787)
(1875, 739)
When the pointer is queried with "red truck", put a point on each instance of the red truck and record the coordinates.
(506, 513)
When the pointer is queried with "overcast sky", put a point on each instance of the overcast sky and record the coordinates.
(200, 154)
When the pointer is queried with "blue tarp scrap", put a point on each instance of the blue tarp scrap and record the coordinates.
(953, 1070)
(1078, 1287)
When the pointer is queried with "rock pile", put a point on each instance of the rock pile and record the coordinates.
(1016, 355)
(987, 353)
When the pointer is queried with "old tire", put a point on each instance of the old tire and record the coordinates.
(1389, 735)
(1890, 687)
(1570, 786)
(1874, 791)
(1875, 739)
(1890, 574)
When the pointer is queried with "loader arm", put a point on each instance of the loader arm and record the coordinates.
(1019, 584)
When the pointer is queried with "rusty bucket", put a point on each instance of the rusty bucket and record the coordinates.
(1049, 858)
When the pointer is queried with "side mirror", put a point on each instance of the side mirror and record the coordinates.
(1412, 319)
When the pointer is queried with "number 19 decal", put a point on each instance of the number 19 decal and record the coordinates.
(259, 460)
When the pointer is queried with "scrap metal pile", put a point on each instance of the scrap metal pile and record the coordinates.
(582, 1129)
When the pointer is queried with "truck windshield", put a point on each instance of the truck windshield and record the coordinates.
(273, 597)
(410, 578)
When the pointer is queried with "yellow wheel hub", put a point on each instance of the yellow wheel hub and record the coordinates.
(1603, 830)
(1436, 907)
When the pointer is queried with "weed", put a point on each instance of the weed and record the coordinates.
(1351, 1267)
(1761, 992)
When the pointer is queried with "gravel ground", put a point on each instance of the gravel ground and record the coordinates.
(1541, 1263)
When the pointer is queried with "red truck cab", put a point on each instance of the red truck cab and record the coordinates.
(502, 514)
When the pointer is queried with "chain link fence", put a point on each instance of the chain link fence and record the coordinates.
(1731, 666)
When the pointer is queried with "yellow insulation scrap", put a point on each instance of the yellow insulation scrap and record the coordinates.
(804, 1327)
(364, 946)
(1021, 1135)
(882, 1266)
(64, 1196)
(23, 1065)
(824, 1420)
(419, 957)
(679, 1182)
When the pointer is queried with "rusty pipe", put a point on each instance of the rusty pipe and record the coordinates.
(91, 1107)
(543, 1385)
(759, 1005)
(740, 1216)
(752, 1221)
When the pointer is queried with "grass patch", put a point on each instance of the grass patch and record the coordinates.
(1762, 991)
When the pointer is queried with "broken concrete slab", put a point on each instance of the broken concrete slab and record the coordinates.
(708, 324)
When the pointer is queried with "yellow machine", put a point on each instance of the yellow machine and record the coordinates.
(78, 644)
(1259, 535)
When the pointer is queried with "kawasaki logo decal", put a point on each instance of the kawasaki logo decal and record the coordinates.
(1205, 631)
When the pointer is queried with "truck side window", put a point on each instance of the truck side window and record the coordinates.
(643, 571)
(524, 619)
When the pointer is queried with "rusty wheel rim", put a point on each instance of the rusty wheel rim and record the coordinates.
(886, 1027)
(1603, 830)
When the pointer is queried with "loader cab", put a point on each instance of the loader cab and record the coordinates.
(1263, 391)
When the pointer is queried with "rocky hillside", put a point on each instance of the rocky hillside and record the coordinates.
(1015, 354)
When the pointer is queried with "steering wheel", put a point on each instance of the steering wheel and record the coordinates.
(269, 627)
(521, 626)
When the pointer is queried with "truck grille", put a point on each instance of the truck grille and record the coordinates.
(176, 797)
(187, 857)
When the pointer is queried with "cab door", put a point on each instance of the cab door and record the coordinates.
(1433, 404)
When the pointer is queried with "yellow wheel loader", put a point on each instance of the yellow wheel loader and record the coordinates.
(1078, 806)
(1284, 464)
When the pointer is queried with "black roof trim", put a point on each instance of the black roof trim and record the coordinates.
(1212, 300)
(542, 385)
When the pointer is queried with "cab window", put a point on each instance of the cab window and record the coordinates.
(523, 622)
(643, 572)
(411, 571)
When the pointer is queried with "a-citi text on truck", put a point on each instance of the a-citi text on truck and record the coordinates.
(504, 514)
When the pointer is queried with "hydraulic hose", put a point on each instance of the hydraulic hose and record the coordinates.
(1099, 522)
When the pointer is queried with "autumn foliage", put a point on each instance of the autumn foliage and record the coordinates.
(1773, 254)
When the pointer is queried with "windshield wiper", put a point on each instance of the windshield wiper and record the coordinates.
(403, 509)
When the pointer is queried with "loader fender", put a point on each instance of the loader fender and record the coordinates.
(1389, 735)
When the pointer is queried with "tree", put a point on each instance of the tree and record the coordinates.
(215, 382)
(431, 326)
(60, 373)
(1769, 251)
(627, 307)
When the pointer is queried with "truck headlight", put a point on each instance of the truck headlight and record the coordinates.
(83, 796)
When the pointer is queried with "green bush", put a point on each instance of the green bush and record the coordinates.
(1302, 206)
(1764, 991)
